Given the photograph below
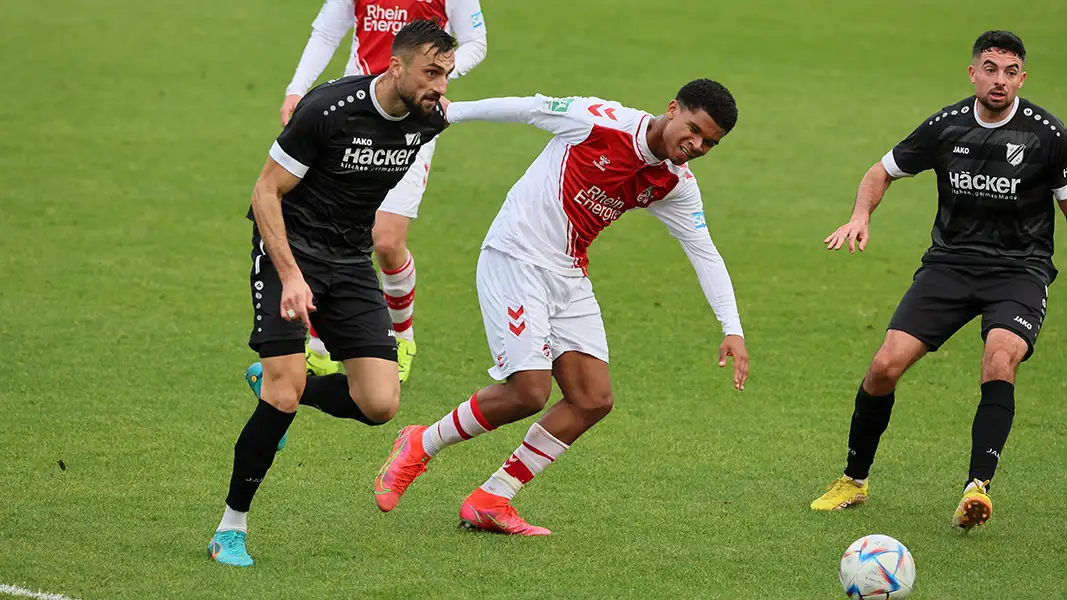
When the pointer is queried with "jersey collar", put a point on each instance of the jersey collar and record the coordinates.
(1014, 107)
(642, 141)
(374, 100)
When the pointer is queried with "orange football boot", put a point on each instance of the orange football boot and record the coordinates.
(406, 462)
(489, 512)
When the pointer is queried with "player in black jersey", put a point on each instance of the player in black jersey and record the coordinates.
(348, 143)
(1000, 161)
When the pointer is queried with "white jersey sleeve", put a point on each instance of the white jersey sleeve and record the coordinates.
(682, 211)
(468, 25)
(327, 30)
(568, 118)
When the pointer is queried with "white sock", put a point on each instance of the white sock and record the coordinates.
(399, 288)
(232, 519)
(502, 484)
(537, 451)
(858, 481)
(463, 423)
(317, 346)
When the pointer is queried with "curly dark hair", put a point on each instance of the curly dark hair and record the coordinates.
(1001, 40)
(713, 98)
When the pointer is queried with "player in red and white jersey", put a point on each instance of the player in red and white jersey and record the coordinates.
(541, 317)
(374, 24)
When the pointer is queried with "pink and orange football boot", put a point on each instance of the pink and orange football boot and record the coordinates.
(489, 512)
(407, 461)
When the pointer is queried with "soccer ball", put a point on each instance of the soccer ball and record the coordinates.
(877, 566)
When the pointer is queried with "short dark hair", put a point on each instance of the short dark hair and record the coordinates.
(418, 33)
(713, 98)
(1002, 40)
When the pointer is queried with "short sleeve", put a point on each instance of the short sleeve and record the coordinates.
(915, 154)
(1058, 167)
(299, 145)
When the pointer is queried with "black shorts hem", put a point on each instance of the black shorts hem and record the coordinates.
(278, 348)
(382, 352)
(1017, 331)
(930, 346)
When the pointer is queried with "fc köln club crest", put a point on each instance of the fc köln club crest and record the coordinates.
(646, 196)
(1015, 154)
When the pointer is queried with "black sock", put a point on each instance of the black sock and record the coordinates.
(329, 393)
(869, 420)
(989, 432)
(254, 452)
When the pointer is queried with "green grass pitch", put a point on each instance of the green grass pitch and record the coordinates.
(131, 134)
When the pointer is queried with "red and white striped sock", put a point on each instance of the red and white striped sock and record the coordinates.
(537, 451)
(463, 423)
(399, 288)
(315, 343)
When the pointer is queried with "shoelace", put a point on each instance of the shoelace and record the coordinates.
(840, 485)
(232, 541)
(407, 474)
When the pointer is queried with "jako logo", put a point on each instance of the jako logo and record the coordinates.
(1023, 322)
(362, 142)
(961, 150)
(413, 139)
(380, 157)
(980, 182)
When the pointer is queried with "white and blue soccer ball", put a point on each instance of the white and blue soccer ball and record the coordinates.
(877, 566)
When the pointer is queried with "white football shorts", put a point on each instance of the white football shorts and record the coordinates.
(533, 315)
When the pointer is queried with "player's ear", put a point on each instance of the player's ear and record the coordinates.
(394, 65)
(1022, 79)
(672, 109)
(970, 73)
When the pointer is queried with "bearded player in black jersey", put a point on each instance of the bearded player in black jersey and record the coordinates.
(1000, 161)
(348, 143)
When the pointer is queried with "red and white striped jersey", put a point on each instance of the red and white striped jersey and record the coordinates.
(596, 167)
(374, 25)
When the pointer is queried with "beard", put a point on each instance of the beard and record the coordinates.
(996, 105)
(415, 106)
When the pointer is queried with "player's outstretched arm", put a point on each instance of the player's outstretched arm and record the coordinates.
(273, 182)
(682, 212)
(855, 232)
(327, 30)
(565, 117)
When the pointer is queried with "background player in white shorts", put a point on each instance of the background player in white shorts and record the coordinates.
(541, 317)
(374, 24)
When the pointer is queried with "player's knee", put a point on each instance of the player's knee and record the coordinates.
(391, 247)
(596, 404)
(529, 397)
(381, 406)
(283, 389)
(1000, 364)
(886, 369)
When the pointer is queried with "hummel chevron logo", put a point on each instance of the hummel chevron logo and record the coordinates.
(608, 112)
(517, 324)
